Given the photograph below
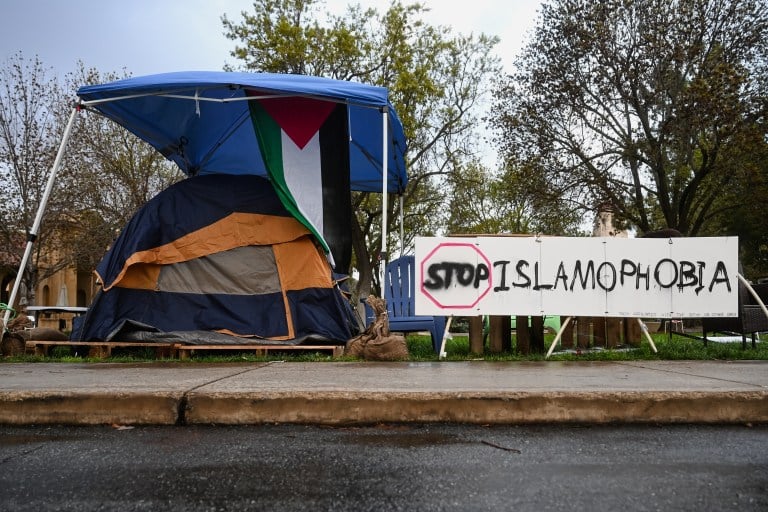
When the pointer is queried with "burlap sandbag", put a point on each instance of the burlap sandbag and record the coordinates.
(391, 348)
(354, 347)
(376, 343)
(19, 323)
(12, 344)
(43, 334)
(20, 331)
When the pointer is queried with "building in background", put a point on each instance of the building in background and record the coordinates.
(65, 287)
(603, 225)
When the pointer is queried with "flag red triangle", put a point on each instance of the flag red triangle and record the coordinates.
(300, 118)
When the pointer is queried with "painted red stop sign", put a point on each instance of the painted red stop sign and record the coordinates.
(456, 275)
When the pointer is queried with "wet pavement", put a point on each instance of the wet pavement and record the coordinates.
(351, 393)
(425, 467)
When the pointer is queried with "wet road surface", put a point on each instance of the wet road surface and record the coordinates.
(384, 467)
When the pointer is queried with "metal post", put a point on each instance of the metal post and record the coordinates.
(32, 236)
(402, 234)
(385, 176)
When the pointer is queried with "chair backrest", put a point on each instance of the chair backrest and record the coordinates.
(399, 277)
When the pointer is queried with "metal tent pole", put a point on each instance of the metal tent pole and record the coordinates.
(385, 175)
(32, 236)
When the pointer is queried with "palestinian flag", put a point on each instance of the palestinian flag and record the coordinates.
(305, 146)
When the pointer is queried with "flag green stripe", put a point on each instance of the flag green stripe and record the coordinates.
(268, 134)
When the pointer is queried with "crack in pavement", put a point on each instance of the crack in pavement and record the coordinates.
(181, 410)
(678, 372)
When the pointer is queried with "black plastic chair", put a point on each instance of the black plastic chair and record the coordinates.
(751, 319)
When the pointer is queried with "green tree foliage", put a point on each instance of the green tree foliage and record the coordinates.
(30, 131)
(742, 212)
(108, 176)
(655, 106)
(515, 201)
(435, 79)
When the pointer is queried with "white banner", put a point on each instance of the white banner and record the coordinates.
(616, 277)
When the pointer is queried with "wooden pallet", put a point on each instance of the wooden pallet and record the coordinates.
(98, 349)
(103, 350)
(186, 351)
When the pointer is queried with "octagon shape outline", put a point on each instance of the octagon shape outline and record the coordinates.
(456, 244)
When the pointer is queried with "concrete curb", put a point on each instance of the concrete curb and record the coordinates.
(346, 408)
(77, 408)
(346, 393)
(477, 408)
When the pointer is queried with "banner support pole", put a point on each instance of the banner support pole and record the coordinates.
(557, 338)
(644, 328)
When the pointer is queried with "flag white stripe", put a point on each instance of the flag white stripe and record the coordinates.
(304, 177)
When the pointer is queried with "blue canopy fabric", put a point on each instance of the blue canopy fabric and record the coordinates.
(201, 121)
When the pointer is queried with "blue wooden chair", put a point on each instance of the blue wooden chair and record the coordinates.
(399, 287)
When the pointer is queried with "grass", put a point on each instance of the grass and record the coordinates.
(457, 349)
(674, 348)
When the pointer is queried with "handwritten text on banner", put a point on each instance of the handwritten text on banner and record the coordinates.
(620, 277)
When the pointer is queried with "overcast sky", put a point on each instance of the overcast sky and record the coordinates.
(157, 36)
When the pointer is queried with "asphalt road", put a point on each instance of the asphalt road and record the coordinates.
(385, 467)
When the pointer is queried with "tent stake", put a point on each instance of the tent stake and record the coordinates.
(32, 236)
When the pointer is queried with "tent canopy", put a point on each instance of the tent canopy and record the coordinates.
(201, 120)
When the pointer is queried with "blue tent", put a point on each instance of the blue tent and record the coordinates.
(201, 120)
(216, 259)
(205, 123)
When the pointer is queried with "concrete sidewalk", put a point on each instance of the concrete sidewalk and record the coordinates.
(345, 393)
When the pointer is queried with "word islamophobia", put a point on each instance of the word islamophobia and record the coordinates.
(506, 275)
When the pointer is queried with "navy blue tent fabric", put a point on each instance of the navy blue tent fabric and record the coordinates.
(201, 121)
(217, 254)
(184, 208)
